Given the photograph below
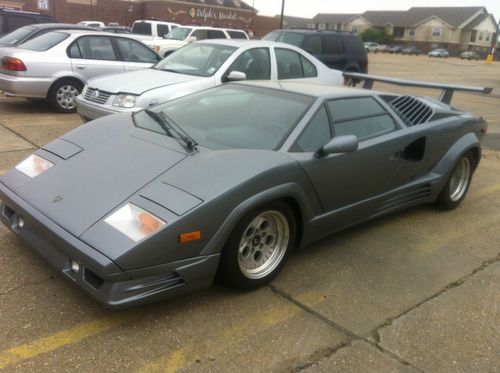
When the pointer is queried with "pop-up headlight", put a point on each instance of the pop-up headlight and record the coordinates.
(134, 222)
(34, 165)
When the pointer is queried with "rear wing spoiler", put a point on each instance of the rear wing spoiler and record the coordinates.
(447, 90)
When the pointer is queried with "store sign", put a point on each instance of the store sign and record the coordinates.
(209, 14)
(43, 4)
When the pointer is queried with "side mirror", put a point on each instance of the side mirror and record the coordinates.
(191, 39)
(235, 76)
(341, 144)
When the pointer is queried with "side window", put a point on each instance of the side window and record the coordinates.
(360, 116)
(289, 64)
(200, 34)
(215, 34)
(315, 135)
(133, 51)
(14, 22)
(310, 70)
(1, 24)
(255, 63)
(74, 51)
(96, 48)
(312, 44)
(332, 44)
(162, 30)
(237, 35)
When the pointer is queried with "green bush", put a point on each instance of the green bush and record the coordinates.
(378, 35)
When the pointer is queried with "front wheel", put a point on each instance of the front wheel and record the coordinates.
(458, 184)
(258, 247)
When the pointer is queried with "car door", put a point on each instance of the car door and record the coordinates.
(293, 65)
(94, 55)
(135, 56)
(346, 179)
(254, 62)
(333, 52)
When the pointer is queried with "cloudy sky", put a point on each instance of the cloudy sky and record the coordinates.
(309, 8)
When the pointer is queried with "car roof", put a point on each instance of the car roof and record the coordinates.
(55, 25)
(244, 42)
(310, 89)
(92, 31)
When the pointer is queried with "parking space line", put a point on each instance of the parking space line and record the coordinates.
(249, 326)
(47, 344)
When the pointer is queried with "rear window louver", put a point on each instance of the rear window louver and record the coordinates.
(412, 110)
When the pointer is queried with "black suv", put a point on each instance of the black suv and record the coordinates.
(337, 50)
(11, 20)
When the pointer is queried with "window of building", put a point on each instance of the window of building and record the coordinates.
(321, 26)
(411, 31)
(354, 29)
(481, 35)
(488, 36)
(436, 31)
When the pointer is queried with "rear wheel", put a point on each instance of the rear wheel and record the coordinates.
(62, 95)
(458, 184)
(258, 247)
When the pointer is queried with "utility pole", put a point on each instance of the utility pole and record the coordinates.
(282, 13)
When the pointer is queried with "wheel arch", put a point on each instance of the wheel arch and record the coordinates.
(72, 78)
(292, 194)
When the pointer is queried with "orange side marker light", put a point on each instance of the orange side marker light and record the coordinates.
(189, 237)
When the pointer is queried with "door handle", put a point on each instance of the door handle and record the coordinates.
(80, 67)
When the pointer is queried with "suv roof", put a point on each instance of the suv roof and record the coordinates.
(337, 49)
(11, 19)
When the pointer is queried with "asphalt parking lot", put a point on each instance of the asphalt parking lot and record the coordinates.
(415, 291)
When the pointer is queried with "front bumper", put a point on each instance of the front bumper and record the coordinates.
(89, 111)
(20, 86)
(98, 275)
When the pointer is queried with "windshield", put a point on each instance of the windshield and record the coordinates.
(179, 33)
(45, 41)
(18, 35)
(196, 59)
(286, 37)
(233, 116)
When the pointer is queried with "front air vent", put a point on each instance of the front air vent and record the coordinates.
(94, 95)
(412, 110)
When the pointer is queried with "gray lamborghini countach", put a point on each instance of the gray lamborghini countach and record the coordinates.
(226, 182)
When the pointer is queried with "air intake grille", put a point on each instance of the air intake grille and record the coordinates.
(412, 110)
(94, 95)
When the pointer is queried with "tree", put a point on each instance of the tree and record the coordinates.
(378, 35)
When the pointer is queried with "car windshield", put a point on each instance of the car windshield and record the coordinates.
(45, 41)
(286, 37)
(233, 116)
(196, 59)
(16, 36)
(179, 33)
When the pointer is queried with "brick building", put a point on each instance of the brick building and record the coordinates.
(221, 13)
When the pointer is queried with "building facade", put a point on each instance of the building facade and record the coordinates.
(220, 13)
(454, 28)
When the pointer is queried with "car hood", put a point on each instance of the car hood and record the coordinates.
(138, 82)
(103, 167)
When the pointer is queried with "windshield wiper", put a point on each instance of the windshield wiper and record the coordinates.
(172, 129)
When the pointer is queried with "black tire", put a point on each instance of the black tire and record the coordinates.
(458, 183)
(238, 257)
(62, 95)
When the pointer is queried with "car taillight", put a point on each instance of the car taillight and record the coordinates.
(13, 64)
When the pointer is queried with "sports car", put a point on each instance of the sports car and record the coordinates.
(225, 182)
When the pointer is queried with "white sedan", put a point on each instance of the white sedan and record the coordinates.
(199, 66)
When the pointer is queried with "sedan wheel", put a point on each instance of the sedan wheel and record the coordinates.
(62, 95)
(458, 184)
(258, 247)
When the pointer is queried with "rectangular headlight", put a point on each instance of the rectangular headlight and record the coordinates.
(127, 101)
(134, 222)
(34, 165)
